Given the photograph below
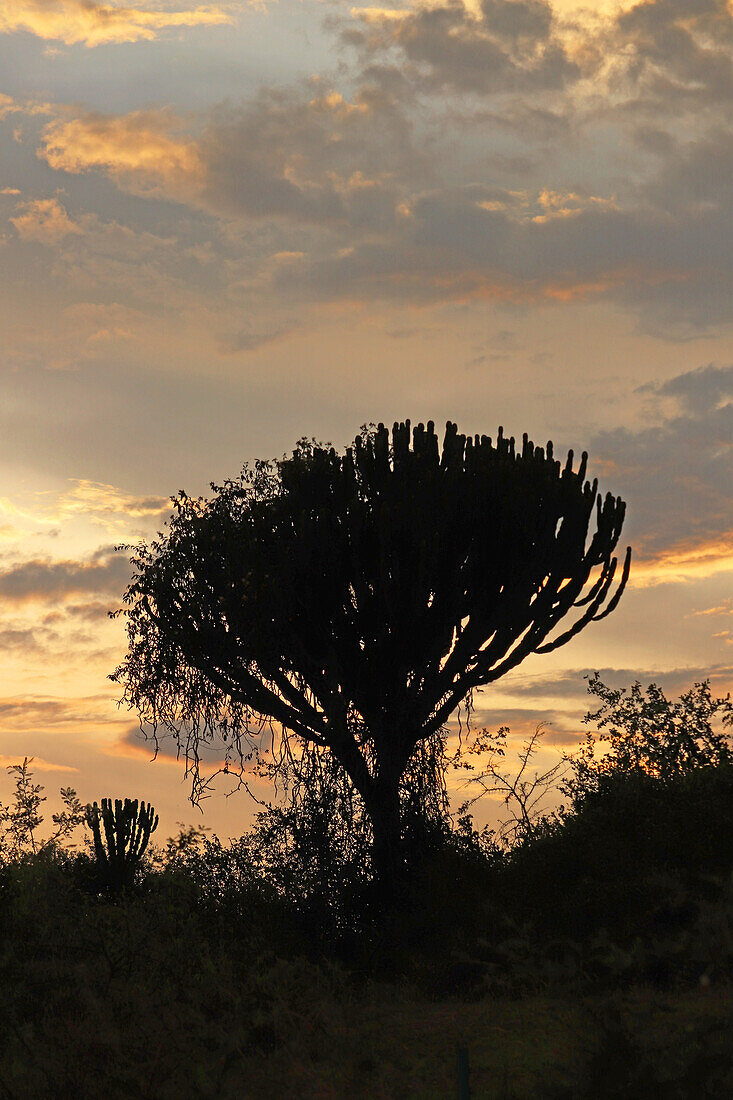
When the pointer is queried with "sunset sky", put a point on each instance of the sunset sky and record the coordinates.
(227, 226)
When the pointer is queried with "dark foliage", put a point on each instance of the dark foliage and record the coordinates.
(634, 862)
(643, 732)
(642, 857)
(315, 845)
(265, 962)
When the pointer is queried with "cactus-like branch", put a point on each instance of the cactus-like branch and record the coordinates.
(127, 829)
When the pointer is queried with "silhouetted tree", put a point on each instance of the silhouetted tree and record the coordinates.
(523, 792)
(643, 732)
(21, 820)
(118, 853)
(357, 599)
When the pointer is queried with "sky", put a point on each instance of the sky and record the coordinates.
(224, 227)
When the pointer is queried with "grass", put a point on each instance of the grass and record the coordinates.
(144, 998)
(531, 1047)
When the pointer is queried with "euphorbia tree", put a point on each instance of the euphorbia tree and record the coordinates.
(357, 599)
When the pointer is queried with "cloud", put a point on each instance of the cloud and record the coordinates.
(94, 24)
(43, 220)
(509, 194)
(133, 745)
(35, 764)
(674, 54)
(677, 474)
(522, 723)
(699, 390)
(142, 151)
(560, 700)
(104, 572)
(307, 156)
(688, 559)
(94, 611)
(31, 107)
(506, 46)
(137, 745)
(121, 514)
(109, 505)
(461, 244)
(137, 273)
(571, 685)
(233, 343)
(17, 639)
(349, 171)
(725, 608)
(36, 712)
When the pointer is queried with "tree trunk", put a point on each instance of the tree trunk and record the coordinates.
(383, 807)
(381, 796)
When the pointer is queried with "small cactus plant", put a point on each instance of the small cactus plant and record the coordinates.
(127, 830)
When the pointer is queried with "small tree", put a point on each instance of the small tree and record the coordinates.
(356, 600)
(21, 820)
(641, 732)
(523, 791)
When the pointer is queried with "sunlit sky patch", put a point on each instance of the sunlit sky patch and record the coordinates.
(226, 226)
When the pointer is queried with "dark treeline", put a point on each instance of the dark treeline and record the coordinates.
(211, 968)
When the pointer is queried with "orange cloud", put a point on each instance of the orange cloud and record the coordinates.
(144, 750)
(473, 284)
(93, 24)
(378, 15)
(141, 150)
(36, 764)
(725, 608)
(109, 506)
(43, 220)
(684, 562)
(568, 204)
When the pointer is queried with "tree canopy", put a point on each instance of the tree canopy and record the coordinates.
(357, 599)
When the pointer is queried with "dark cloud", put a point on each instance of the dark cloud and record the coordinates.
(519, 182)
(509, 46)
(700, 390)
(697, 177)
(677, 473)
(235, 342)
(572, 684)
(527, 21)
(465, 242)
(16, 639)
(33, 712)
(310, 155)
(92, 612)
(520, 720)
(103, 572)
(569, 700)
(143, 741)
(676, 53)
